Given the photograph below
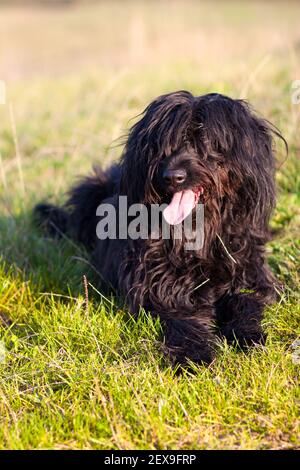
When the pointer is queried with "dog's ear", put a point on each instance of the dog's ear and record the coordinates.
(253, 165)
(160, 131)
(135, 164)
(245, 141)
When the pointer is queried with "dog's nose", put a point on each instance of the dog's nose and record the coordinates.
(174, 176)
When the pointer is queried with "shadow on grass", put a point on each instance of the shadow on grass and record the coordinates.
(51, 265)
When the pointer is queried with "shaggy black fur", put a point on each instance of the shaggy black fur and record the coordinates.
(220, 144)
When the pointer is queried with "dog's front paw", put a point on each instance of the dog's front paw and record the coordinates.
(186, 341)
(183, 356)
(244, 337)
(255, 339)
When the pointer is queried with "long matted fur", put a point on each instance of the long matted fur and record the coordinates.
(221, 289)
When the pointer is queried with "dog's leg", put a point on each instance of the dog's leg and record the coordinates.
(189, 339)
(52, 219)
(77, 218)
(239, 319)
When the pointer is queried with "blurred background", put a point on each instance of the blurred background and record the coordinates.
(77, 72)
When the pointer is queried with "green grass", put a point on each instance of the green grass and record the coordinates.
(78, 377)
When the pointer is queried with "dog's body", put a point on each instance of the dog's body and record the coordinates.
(215, 150)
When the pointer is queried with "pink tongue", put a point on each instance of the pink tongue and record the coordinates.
(180, 207)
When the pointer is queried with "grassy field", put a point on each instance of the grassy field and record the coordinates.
(81, 377)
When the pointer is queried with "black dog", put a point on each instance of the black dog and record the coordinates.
(209, 149)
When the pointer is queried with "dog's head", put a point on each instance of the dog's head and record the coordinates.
(210, 149)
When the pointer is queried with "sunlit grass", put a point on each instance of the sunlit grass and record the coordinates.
(93, 377)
